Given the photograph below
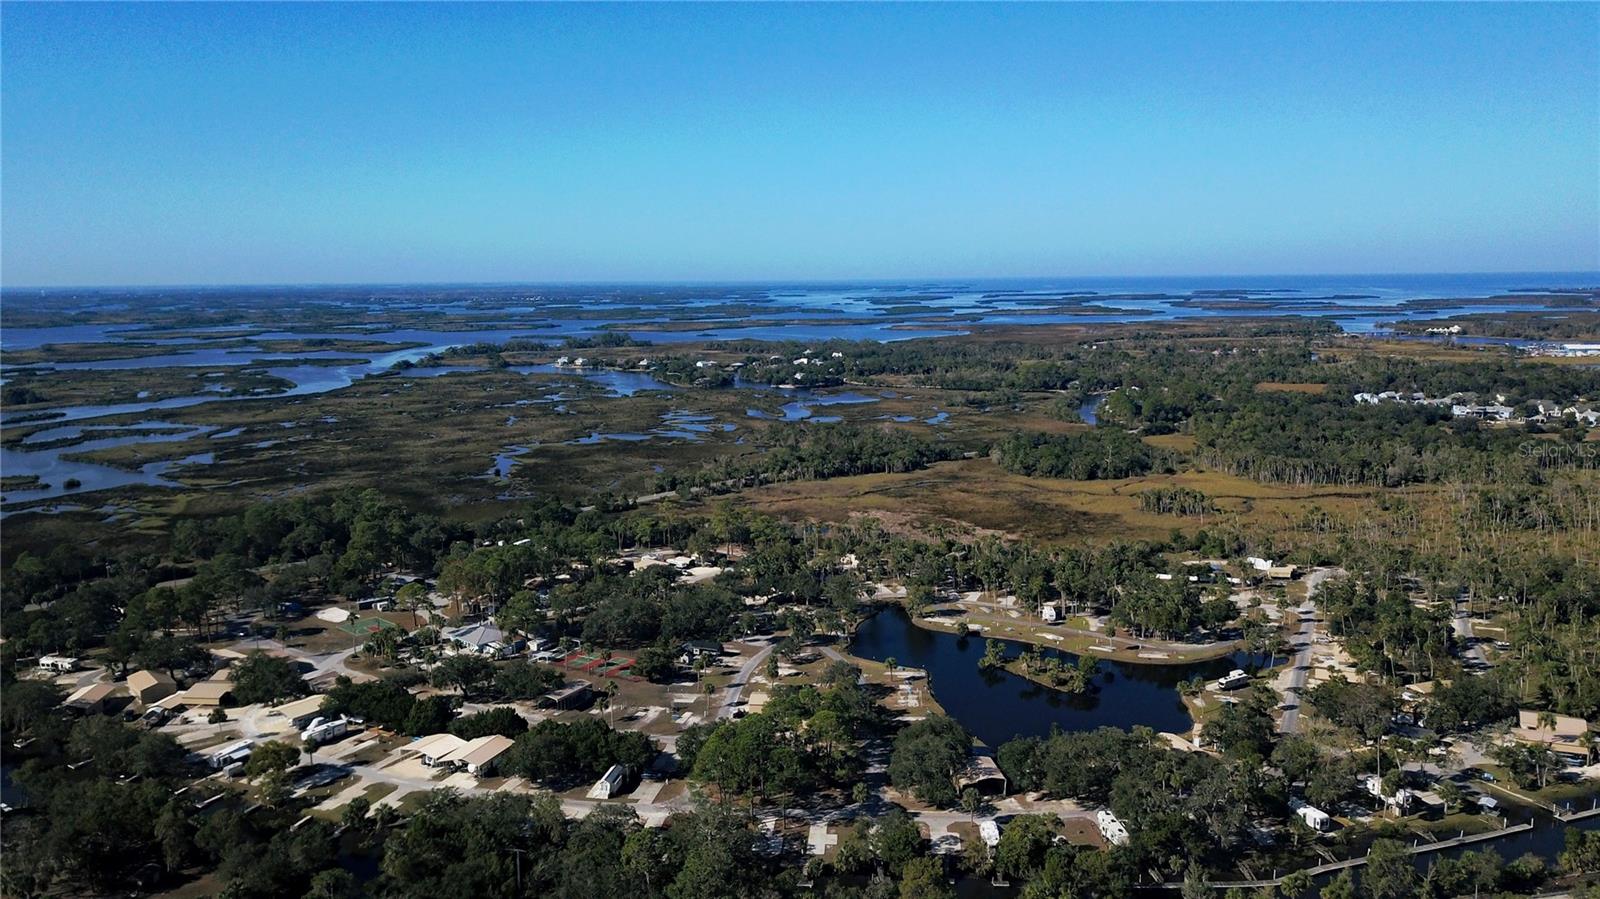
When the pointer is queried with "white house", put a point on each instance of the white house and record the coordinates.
(1399, 801)
(434, 748)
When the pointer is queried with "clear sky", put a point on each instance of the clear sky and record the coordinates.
(194, 143)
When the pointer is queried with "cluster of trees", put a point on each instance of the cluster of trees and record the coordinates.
(1179, 806)
(1099, 454)
(563, 754)
(804, 741)
(1175, 501)
(1171, 608)
(1050, 667)
(1386, 632)
(389, 704)
(927, 756)
(809, 452)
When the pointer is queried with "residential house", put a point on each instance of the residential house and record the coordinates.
(695, 650)
(434, 748)
(1565, 735)
(301, 712)
(478, 757)
(205, 694)
(89, 700)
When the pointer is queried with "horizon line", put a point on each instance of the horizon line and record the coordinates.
(715, 282)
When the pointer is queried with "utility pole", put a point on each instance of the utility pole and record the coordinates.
(518, 853)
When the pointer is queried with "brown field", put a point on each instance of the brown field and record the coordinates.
(977, 494)
(1178, 443)
(1290, 387)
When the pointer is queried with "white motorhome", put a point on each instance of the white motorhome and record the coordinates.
(58, 664)
(323, 730)
(1115, 832)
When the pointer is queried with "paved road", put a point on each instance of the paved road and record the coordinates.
(1304, 639)
(1461, 621)
(736, 688)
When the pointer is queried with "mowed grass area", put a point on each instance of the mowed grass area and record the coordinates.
(980, 494)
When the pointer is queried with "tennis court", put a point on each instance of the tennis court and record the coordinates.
(617, 666)
(366, 627)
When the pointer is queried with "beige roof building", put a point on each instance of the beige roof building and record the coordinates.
(206, 693)
(479, 756)
(151, 686)
(434, 748)
(301, 712)
(1564, 733)
(91, 698)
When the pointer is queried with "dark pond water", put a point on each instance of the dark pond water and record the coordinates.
(1090, 410)
(997, 705)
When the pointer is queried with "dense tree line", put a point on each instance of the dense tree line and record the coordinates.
(1098, 454)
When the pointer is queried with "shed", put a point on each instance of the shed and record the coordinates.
(610, 783)
(572, 696)
(149, 687)
(982, 774)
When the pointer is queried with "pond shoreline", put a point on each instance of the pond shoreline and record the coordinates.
(997, 705)
(1081, 642)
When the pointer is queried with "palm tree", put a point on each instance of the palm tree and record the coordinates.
(607, 696)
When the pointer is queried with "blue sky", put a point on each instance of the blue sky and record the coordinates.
(188, 143)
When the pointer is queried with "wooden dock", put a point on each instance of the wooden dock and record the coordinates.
(1417, 848)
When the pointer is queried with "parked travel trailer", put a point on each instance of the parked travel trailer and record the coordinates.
(229, 754)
